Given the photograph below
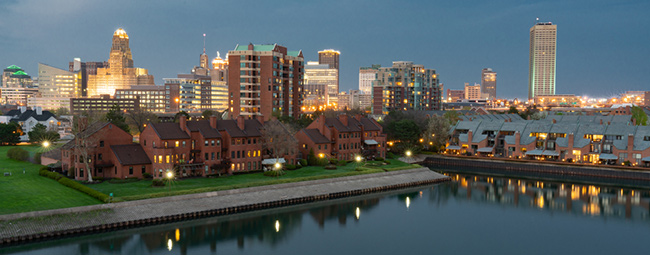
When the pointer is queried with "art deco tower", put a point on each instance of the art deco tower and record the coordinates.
(541, 76)
(120, 73)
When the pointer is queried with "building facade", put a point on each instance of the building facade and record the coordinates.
(263, 80)
(55, 82)
(15, 77)
(103, 104)
(489, 83)
(320, 81)
(473, 92)
(195, 93)
(49, 103)
(18, 95)
(454, 95)
(541, 73)
(330, 57)
(366, 76)
(85, 69)
(151, 98)
(405, 86)
(120, 74)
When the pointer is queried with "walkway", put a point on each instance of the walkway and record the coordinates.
(24, 227)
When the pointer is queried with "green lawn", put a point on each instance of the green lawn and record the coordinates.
(31, 192)
(142, 189)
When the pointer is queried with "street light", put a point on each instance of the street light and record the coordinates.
(277, 165)
(46, 144)
(409, 153)
(170, 174)
(358, 158)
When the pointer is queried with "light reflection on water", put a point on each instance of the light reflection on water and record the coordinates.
(471, 209)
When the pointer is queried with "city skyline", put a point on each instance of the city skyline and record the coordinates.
(495, 36)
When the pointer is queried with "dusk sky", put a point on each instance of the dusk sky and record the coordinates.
(602, 45)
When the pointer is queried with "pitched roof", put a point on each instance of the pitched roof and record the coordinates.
(169, 130)
(251, 128)
(53, 154)
(85, 134)
(316, 136)
(256, 47)
(130, 154)
(18, 116)
(203, 127)
(13, 67)
(369, 125)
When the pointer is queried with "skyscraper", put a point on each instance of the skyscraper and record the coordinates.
(541, 76)
(120, 74)
(366, 76)
(489, 83)
(319, 80)
(331, 58)
(55, 82)
(264, 80)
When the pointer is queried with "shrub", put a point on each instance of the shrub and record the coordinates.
(78, 186)
(158, 183)
(18, 154)
(387, 162)
(147, 176)
(390, 155)
(330, 167)
(274, 173)
(379, 159)
(127, 180)
(290, 167)
(303, 162)
(334, 161)
(49, 174)
(342, 163)
(37, 158)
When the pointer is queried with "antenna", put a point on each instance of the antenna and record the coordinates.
(203, 43)
(218, 55)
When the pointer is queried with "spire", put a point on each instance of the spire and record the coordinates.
(203, 43)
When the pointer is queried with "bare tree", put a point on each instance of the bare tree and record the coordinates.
(139, 118)
(84, 144)
(437, 132)
(278, 139)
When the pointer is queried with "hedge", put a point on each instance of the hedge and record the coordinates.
(158, 183)
(274, 173)
(73, 184)
(18, 154)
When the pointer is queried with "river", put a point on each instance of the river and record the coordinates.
(472, 214)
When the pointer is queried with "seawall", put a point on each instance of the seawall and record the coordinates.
(43, 225)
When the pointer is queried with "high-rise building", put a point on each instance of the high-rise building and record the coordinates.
(219, 71)
(55, 82)
(263, 80)
(405, 86)
(489, 83)
(473, 92)
(366, 76)
(320, 79)
(120, 74)
(454, 95)
(330, 57)
(15, 77)
(541, 74)
(85, 69)
(151, 98)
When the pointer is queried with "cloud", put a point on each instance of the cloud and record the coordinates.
(29, 18)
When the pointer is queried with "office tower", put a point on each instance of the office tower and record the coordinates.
(489, 83)
(59, 83)
(473, 92)
(454, 95)
(219, 71)
(120, 74)
(319, 80)
(541, 74)
(264, 80)
(366, 76)
(15, 77)
(405, 86)
(330, 57)
(85, 69)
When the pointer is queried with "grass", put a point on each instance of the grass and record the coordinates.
(31, 192)
(142, 189)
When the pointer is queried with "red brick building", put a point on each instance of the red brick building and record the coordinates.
(106, 151)
(343, 138)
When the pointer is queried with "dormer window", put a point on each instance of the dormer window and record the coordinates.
(101, 143)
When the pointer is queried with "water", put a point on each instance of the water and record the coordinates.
(473, 214)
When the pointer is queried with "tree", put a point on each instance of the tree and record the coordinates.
(452, 117)
(40, 133)
(84, 144)
(207, 113)
(513, 109)
(10, 133)
(61, 111)
(116, 116)
(640, 116)
(137, 119)
(406, 131)
(278, 140)
(437, 132)
(178, 115)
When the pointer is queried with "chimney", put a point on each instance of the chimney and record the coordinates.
(528, 117)
(240, 122)
(251, 46)
(630, 142)
(517, 142)
(609, 122)
(183, 123)
(570, 140)
(261, 119)
(634, 122)
(554, 121)
(213, 122)
(601, 121)
(39, 110)
(469, 137)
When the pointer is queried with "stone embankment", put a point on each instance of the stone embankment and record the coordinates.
(42, 225)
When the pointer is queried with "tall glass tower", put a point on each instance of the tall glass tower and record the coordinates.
(541, 76)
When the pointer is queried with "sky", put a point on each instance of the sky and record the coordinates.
(602, 45)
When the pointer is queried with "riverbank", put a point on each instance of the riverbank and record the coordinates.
(41, 225)
(566, 171)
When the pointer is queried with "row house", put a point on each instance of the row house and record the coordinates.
(104, 150)
(343, 137)
(574, 139)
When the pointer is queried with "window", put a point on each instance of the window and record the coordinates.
(153, 145)
(130, 170)
(144, 169)
(238, 154)
(183, 144)
(81, 172)
(99, 156)
(144, 143)
(206, 156)
(212, 142)
(212, 156)
(101, 143)
(176, 143)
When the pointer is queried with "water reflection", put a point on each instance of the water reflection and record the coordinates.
(581, 199)
(413, 209)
